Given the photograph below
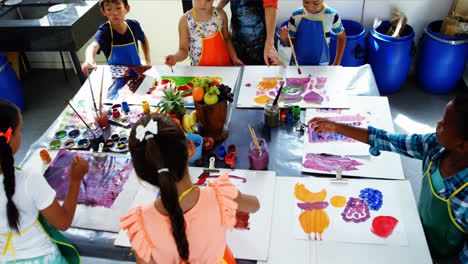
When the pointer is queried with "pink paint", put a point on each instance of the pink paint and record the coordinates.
(313, 97)
(248, 85)
(323, 162)
(242, 220)
(347, 118)
(383, 226)
(205, 175)
(312, 206)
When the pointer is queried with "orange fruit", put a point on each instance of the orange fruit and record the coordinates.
(198, 93)
(214, 81)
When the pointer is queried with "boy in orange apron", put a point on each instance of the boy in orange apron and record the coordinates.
(203, 35)
(117, 38)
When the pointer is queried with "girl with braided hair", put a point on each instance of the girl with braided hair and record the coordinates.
(188, 223)
(23, 195)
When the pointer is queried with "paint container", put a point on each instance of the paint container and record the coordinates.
(74, 133)
(123, 140)
(115, 137)
(116, 106)
(146, 107)
(60, 134)
(102, 120)
(125, 107)
(69, 143)
(297, 112)
(121, 145)
(109, 143)
(229, 160)
(283, 114)
(271, 114)
(83, 143)
(55, 144)
(45, 156)
(95, 136)
(259, 160)
(221, 152)
(289, 117)
(115, 113)
(232, 150)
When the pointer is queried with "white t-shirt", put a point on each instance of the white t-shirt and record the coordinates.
(32, 194)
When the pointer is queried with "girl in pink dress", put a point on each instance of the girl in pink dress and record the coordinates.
(188, 223)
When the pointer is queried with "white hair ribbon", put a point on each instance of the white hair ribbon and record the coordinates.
(151, 127)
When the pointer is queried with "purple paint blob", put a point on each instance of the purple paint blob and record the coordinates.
(313, 97)
(356, 211)
(313, 206)
(328, 110)
(248, 85)
(101, 186)
(329, 163)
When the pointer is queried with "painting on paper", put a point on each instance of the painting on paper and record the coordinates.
(101, 185)
(352, 212)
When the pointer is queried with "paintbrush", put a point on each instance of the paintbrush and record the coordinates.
(100, 93)
(91, 131)
(172, 70)
(275, 102)
(294, 54)
(254, 138)
(92, 94)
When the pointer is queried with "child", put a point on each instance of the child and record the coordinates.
(117, 38)
(188, 223)
(203, 34)
(444, 195)
(22, 239)
(309, 28)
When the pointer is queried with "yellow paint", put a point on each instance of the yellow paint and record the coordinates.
(305, 195)
(262, 99)
(338, 201)
(315, 221)
(267, 83)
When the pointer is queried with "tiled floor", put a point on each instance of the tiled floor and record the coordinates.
(413, 111)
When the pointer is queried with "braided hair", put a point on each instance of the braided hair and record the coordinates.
(461, 107)
(166, 149)
(9, 118)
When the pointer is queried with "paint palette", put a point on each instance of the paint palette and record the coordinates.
(117, 142)
(70, 138)
(123, 114)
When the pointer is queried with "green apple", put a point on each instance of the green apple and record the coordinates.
(210, 98)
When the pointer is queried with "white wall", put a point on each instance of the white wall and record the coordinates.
(159, 19)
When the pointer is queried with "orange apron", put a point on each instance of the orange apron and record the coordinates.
(228, 257)
(214, 51)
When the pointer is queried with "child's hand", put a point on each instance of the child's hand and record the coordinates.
(170, 60)
(78, 169)
(88, 64)
(237, 62)
(284, 32)
(321, 125)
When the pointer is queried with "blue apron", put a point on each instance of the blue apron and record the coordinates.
(311, 45)
(126, 54)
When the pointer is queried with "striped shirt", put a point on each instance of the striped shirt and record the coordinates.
(331, 21)
(427, 149)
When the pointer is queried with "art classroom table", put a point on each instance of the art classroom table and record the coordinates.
(285, 151)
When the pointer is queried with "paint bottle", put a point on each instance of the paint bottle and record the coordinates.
(125, 107)
(146, 107)
(271, 114)
(115, 113)
(229, 160)
(297, 112)
(221, 152)
(283, 114)
(95, 136)
(289, 117)
(232, 150)
(259, 159)
(45, 156)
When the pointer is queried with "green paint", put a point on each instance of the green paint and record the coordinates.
(178, 80)
(60, 134)
(55, 144)
(293, 89)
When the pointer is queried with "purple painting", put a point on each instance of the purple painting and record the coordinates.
(356, 211)
(100, 187)
(351, 120)
(324, 162)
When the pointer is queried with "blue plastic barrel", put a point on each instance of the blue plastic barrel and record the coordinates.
(355, 49)
(390, 58)
(442, 60)
(10, 87)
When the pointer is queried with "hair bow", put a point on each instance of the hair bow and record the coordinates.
(151, 127)
(7, 134)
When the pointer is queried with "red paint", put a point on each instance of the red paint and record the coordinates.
(242, 220)
(383, 226)
(205, 175)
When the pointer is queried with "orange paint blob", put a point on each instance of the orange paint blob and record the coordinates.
(267, 83)
(338, 201)
(305, 195)
(315, 221)
(262, 99)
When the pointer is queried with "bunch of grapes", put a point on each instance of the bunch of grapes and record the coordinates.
(225, 93)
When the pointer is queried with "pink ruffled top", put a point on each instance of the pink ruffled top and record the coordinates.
(214, 213)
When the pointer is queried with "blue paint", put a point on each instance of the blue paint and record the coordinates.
(125, 107)
(373, 198)
(222, 152)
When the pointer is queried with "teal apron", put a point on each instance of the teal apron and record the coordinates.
(126, 54)
(445, 236)
(311, 45)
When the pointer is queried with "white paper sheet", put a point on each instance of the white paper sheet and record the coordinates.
(245, 244)
(228, 75)
(96, 218)
(332, 83)
(364, 111)
(286, 248)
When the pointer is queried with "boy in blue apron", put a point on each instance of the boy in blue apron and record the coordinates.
(117, 38)
(309, 29)
(443, 200)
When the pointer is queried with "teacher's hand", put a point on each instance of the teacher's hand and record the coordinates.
(271, 56)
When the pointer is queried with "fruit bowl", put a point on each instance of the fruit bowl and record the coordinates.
(212, 119)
